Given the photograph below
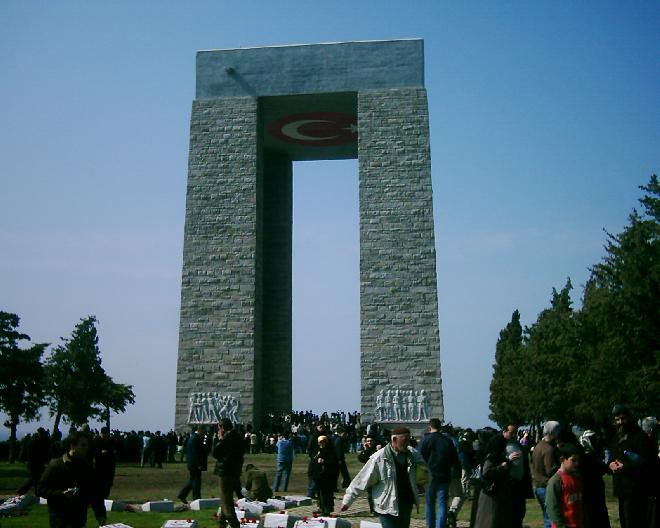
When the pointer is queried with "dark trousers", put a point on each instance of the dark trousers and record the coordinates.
(397, 521)
(326, 496)
(633, 511)
(35, 475)
(228, 484)
(194, 484)
(345, 476)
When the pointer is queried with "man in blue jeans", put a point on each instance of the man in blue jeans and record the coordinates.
(284, 461)
(440, 455)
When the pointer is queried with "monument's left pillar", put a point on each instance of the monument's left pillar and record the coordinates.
(219, 326)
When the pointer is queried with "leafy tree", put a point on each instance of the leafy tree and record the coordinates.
(78, 386)
(621, 315)
(21, 377)
(508, 373)
(551, 359)
(115, 397)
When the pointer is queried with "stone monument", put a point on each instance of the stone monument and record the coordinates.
(256, 111)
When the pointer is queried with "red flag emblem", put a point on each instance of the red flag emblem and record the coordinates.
(319, 129)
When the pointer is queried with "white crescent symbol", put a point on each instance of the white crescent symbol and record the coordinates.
(291, 130)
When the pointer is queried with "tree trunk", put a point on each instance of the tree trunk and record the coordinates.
(56, 425)
(13, 425)
(107, 418)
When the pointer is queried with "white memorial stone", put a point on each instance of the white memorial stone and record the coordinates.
(164, 506)
(300, 500)
(369, 524)
(255, 506)
(242, 513)
(113, 505)
(337, 522)
(116, 525)
(281, 503)
(280, 520)
(181, 523)
(16, 504)
(204, 504)
(312, 522)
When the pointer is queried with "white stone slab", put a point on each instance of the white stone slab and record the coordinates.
(311, 522)
(337, 522)
(369, 524)
(116, 525)
(282, 504)
(242, 513)
(254, 506)
(180, 524)
(251, 523)
(164, 506)
(204, 504)
(43, 501)
(280, 520)
(300, 500)
(113, 505)
(16, 504)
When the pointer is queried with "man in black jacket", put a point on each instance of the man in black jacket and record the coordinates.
(39, 452)
(440, 455)
(196, 462)
(632, 455)
(228, 453)
(70, 486)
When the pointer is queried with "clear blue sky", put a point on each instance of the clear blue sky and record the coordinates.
(544, 120)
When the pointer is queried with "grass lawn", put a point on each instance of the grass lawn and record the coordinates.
(137, 485)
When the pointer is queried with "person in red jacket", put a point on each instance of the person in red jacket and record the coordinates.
(563, 496)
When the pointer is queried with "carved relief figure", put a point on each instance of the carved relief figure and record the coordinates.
(211, 407)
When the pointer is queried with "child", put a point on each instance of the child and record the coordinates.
(563, 498)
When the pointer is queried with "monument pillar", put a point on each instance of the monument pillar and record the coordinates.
(399, 338)
(257, 110)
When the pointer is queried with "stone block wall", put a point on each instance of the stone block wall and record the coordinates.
(399, 337)
(217, 339)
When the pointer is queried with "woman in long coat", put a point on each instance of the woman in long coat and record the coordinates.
(325, 469)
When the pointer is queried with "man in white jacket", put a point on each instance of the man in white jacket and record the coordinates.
(391, 475)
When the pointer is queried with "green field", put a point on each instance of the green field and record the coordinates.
(137, 485)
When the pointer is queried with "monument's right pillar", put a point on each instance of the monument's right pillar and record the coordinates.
(399, 337)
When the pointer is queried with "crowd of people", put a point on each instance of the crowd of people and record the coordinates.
(498, 470)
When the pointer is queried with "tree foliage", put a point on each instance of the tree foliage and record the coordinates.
(78, 387)
(572, 365)
(21, 376)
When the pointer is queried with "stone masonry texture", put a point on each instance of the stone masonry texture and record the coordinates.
(235, 334)
(218, 288)
(399, 337)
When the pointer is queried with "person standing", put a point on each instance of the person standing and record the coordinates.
(632, 453)
(440, 455)
(69, 485)
(545, 462)
(563, 497)
(391, 474)
(105, 461)
(285, 454)
(312, 450)
(340, 443)
(196, 462)
(228, 453)
(39, 452)
(324, 471)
